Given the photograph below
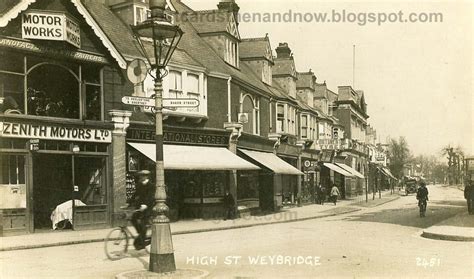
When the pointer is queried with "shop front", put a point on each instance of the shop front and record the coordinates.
(273, 176)
(310, 180)
(53, 176)
(333, 174)
(198, 168)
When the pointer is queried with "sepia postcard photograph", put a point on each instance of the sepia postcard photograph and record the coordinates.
(236, 139)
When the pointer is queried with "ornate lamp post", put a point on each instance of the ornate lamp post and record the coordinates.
(158, 39)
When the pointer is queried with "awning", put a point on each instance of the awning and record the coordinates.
(186, 157)
(351, 170)
(338, 169)
(272, 162)
(389, 173)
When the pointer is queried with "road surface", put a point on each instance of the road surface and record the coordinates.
(383, 241)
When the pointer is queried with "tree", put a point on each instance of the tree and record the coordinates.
(399, 155)
(455, 157)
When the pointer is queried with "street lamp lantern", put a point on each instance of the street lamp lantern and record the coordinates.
(158, 38)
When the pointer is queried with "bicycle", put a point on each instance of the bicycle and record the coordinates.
(118, 239)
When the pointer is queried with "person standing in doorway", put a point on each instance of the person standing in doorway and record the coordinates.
(334, 193)
(229, 205)
(323, 191)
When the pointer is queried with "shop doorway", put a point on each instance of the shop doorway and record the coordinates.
(52, 180)
(60, 179)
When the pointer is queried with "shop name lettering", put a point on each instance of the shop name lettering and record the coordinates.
(50, 132)
(177, 137)
(51, 51)
(48, 26)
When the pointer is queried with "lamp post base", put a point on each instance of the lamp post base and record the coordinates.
(161, 254)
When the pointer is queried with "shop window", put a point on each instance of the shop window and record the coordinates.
(12, 181)
(53, 91)
(90, 176)
(248, 185)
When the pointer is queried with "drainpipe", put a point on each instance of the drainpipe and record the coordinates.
(229, 105)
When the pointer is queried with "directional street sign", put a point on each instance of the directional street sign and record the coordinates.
(180, 103)
(167, 102)
(138, 101)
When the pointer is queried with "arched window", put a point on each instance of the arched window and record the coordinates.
(248, 107)
(53, 90)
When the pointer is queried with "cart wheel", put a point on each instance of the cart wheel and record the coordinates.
(116, 244)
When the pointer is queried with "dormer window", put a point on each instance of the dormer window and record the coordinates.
(232, 52)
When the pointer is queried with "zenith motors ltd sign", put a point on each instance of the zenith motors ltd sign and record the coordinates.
(47, 132)
(53, 26)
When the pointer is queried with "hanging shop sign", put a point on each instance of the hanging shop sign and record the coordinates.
(40, 131)
(51, 26)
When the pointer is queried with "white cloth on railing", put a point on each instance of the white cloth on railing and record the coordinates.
(64, 212)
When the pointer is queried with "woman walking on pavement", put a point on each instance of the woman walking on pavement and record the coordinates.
(334, 193)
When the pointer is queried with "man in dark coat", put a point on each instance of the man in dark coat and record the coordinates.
(422, 197)
(229, 205)
(469, 196)
(143, 201)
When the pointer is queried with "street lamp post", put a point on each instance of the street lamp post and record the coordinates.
(158, 39)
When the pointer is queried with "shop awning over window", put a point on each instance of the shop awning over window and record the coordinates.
(272, 162)
(351, 170)
(388, 173)
(184, 157)
(338, 169)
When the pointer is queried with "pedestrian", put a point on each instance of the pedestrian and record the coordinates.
(334, 193)
(422, 197)
(229, 205)
(322, 190)
(469, 196)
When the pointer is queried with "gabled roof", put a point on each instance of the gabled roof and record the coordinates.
(256, 48)
(212, 21)
(92, 14)
(10, 9)
(202, 52)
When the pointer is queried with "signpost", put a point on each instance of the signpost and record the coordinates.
(167, 102)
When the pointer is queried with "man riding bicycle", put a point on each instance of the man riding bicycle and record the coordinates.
(143, 200)
(422, 197)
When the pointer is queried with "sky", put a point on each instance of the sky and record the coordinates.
(417, 77)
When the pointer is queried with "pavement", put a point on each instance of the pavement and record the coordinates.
(293, 214)
(457, 228)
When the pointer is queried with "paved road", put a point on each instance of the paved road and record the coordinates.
(377, 242)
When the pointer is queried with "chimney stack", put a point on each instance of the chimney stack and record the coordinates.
(230, 6)
(283, 51)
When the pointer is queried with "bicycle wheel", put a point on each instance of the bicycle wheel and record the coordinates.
(116, 244)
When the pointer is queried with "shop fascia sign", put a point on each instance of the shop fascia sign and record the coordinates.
(50, 26)
(40, 131)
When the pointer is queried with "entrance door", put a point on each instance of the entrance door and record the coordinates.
(52, 186)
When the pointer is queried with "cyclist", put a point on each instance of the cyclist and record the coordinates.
(143, 201)
(422, 197)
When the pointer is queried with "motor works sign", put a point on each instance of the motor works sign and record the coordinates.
(52, 26)
(39, 131)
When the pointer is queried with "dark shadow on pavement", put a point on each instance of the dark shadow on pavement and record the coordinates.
(408, 216)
